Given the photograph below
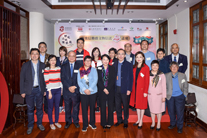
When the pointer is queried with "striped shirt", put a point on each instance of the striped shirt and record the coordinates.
(79, 58)
(52, 78)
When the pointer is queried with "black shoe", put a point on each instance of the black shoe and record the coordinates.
(139, 127)
(180, 131)
(135, 124)
(158, 129)
(108, 127)
(104, 127)
(117, 124)
(97, 109)
(152, 127)
(29, 130)
(171, 127)
(92, 126)
(77, 125)
(67, 125)
(84, 129)
(41, 127)
(46, 111)
(125, 125)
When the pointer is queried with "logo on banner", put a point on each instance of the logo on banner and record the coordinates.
(147, 29)
(138, 39)
(109, 29)
(80, 29)
(95, 29)
(117, 38)
(61, 28)
(139, 29)
(122, 29)
(65, 40)
(131, 29)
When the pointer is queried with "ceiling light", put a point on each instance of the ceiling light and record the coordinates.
(87, 20)
(130, 20)
(185, 0)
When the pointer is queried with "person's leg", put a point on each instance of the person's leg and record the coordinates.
(125, 100)
(92, 102)
(103, 112)
(39, 103)
(61, 104)
(171, 111)
(153, 120)
(110, 111)
(141, 117)
(138, 115)
(57, 102)
(76, 108)
(118, 105)
(159, 116)
(68, 108)
(50, 106)
(179, 107)
(45, 104)
(84, 106)
(30, 108)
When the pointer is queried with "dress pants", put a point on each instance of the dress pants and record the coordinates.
(104, 120)
(72, 102)
(45, 104)
(176, 106)
(30, 100)
(119, 99)
(61, 101)
(56, 94)
(85, 101)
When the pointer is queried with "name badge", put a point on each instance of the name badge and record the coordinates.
(181, 64)
(43, 71)
(112, 63)
(85, 77)
(99, 68)
(131, 59)
(183, 80)
(75, 71)
(142, 75)
(159, 78)
(149, 58)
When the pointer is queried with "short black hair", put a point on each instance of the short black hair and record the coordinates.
(34, 49)
(42, 43)
(121, 49)
(50, 57)
(105, 55)
(80, 39)
(143, 41)
(87, 57)
(112, 49)
(161, 49)
(154, 62)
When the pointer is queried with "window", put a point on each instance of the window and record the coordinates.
(198, 42)
(163, 41)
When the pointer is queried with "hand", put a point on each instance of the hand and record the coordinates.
(72, 89)
(61, 91)
(87, 91)
(49, 95)
(23, 95)
(128, 92)
(106, 91)
(145, 95)
(44, 93)
(163, 100)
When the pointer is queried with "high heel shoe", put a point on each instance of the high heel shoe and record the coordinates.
(158, 129)
(152, 127)
(139, 127)
(135, 124)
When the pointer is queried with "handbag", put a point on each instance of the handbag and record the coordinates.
(18, 99)
(191, 98)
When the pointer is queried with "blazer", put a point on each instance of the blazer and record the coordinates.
(67, 80)
(46, 57)
(111, 82)
(164, 66)
(126, 76)
(58, 61)
(182, 61)
(182, 79)
(27, 78)
(133, 59)
(92, 78)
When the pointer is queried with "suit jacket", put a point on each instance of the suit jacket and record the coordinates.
(126, 76)
(164, 66)
(133, 59)
(27, 78)
(67, 80)
(46, 57)
(111, 82)
(182, 83)
(58, 63)
(182, 61)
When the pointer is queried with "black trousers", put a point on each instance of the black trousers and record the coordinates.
(61, 101)
(98, 101)
(104, 120)
(122, 99)
(85, 101)
(72, 102)
(45, 104)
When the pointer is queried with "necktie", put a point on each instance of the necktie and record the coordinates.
(175, 59)
(61, 62)
(71, 69)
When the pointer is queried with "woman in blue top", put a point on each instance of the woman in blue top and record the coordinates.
(87, 81)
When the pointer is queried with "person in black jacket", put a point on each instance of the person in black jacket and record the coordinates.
(32, 88)
(106, 86)
(71, 92)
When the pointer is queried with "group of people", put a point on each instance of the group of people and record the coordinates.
(104, 82)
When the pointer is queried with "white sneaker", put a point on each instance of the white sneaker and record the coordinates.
(58, 125)
(52, 127)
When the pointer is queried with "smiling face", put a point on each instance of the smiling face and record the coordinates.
(175, 49)
(112, 54)
(96, 53)
(121, 55)
(87, 62)
(144, 45)
(62, 53)
(128, 48)
(139, 58)
(52, 61)
(34, 55)
(42, 48)
(174, 68)
(155, 67)
(80, 44)
(105, 61)
(160, 55)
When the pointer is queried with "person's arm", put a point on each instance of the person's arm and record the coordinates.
(22, 79)
(47, 77)
(185, 86)
(100, 82)
(163, 79)
(130, 79)
(146, 80)
(95, 79)
(80, 84)
(113, 78)
(134, 60)
(185, 64)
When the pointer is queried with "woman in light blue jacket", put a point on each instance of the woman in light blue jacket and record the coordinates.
(87, 81)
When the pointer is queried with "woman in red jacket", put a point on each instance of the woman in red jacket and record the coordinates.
(140, 87)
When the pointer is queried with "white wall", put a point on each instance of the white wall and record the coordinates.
(183, 39)
(48, 36)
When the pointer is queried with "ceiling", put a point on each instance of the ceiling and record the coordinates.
(135, 14)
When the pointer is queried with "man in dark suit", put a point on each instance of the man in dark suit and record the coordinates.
(129, 56)
(177, 57)
(71, 92)
(124, 82)
(32, 88)
(43, 58)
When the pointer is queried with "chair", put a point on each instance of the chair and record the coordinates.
(190, 107)
(20, 110)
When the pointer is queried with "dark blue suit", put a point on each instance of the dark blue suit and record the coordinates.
(133, 58)
(33, 94)
(182, 61)
(121, 92)
(164, 66)
(58, 63)
(70, 98)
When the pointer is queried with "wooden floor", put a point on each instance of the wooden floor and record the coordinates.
(114, 132)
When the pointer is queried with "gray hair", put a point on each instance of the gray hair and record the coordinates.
(71, 51)
(174, 63)
(175, 44)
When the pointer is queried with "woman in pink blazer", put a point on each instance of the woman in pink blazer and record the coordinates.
(156, 94)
